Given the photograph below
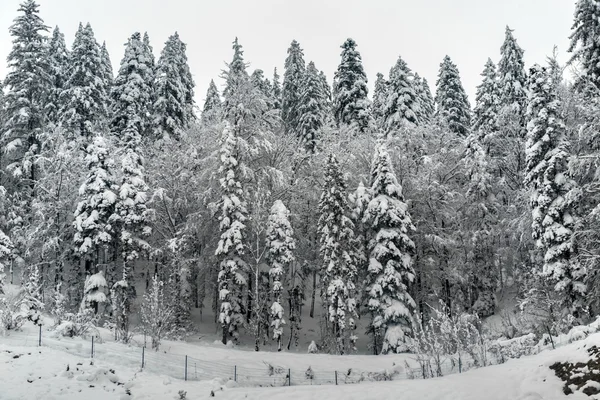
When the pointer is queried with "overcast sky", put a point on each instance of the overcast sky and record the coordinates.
(421, 31)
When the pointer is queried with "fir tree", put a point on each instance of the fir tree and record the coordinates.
(451, 99)
(337, 249)
(402, 105)
(380, 95)
(585, 44)
(28, 87)
(107, 69)
(512, 77)
(232, 246)
(6, 253)
(211, 112)
(276, 91)
(555, 195)
(350, 93)
(174, 91)
(312, 108)
(59, 65)
(426, 104)
(84, 102)
(280, 253)
(94, 293)
(292, 88)
(487, 101)
(390, 271)
(237, 81)
(132, 92)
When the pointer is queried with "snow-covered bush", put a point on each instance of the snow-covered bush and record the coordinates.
(81, 324)
(513, 348)
(312, 348)
(94, 293)
(157, 315)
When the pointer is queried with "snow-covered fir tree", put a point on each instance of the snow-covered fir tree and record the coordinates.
(174, 90)
(94, 293)
(231, 248)
(402, 105)
(451, 98)
(84, 102)
(426, 103)
(107, 69)
(28, 87)
(312, 108)
(390, 271)
(351, 105)
(280, 253)
(291, 90)
(6, 254)
(211, 112)
(585, 45)
(132, 93)
(487, 101)
(555, 196)
(94, 225)
(276, 90)
(59, 65)
(380, 95)
(338, 252)
(512, 78)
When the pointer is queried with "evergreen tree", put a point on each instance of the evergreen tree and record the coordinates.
(84, 102)
(28, 87)
(231, 248)
(555, 196)
(312, 108)
(211, 112)
(237, 80)
(94, 293)
(512, 77)
(487, 101)
(350, 93)
(280, 253)
(107, 69)
(174, 90)
(132, 92)
(293, 77)
(276, 91)
(6, 253)
(451, 99)
(59, 65)
(402, 105)
(426, 104)
(337, 248)
(380, 96)
(390, 271)
(585, 42)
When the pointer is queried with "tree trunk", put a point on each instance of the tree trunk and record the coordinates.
(314, 293)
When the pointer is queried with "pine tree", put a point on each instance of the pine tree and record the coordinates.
(380, 95)
(555, 195)
(585, 44)
(211, 112)
(312, 108)
(426, 104)
(512, 77)
(487, 101)
(237, 81)
(84, 102)
(28, 86)
(6, 253)
(174, 90)
(337, 249)
(94, 229)
(232, 246)
(107, 69)
(132, 92)
(451, 99)
(59, 65)
(276, 91)
(402, 105)
(293, 77)
(280, 253)
(94, 293)
(390, 271)
(350, 93)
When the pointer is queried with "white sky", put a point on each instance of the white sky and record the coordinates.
(422, 31)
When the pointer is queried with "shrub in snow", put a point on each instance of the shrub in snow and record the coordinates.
(94, 292)
(513, 348)
(81, 324)
(312, 348)
(157, 315)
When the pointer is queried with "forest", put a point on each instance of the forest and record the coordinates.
(126, 205)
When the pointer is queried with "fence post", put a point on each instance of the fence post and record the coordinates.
(235, 373)
(92, 347)
(143, 353)
(289, 377)
(459, 366)
(40, 337)
(186, 368)
(336, 377)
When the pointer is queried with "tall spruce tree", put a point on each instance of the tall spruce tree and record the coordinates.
(426, 104)
(313, 108)
(487, 101)
(390, 271)
(232, 275)
(276, 90)
(291, 90)
(585, 42)
(174, 91)
(107, 70)
(59, 65)
(84, 102)
(402, 105)
(350, 93)
(338, 252)
(512, 78)
(132, 92)
(28, 87)
(211, 112)
(451, 99)
(555, 195)
(380, 95)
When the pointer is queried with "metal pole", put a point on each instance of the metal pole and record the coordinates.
(143, 353)
(289, 377)
(186, 368)
(336, 377)
(235, 373)
(40, 338)
(92, 347)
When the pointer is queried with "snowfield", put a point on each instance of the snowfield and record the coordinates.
(45, 373)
